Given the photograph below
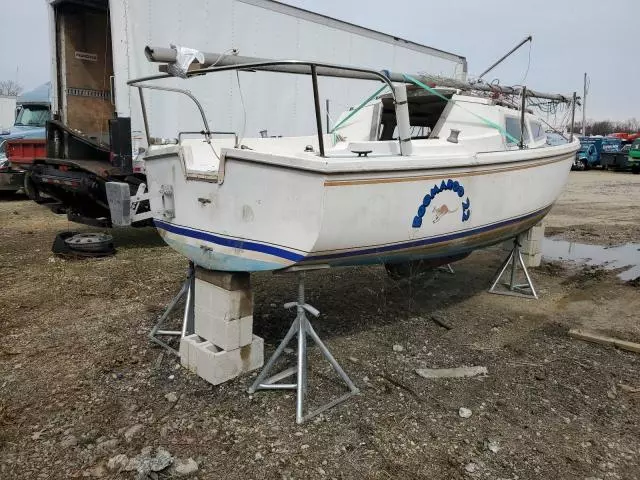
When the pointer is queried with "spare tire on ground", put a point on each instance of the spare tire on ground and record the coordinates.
(83, 244)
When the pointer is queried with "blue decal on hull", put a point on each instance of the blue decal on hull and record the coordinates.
(449, 185)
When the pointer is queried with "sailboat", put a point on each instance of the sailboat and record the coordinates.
(427, 169)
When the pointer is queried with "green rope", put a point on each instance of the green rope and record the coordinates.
(485, 120)
(359, 107)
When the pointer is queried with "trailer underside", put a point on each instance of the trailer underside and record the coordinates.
(76, 169)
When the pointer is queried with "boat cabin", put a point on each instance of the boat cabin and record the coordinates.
(448, 115)
(445, 123)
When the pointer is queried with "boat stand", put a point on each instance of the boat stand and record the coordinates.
(523, 290)
(447, 268)
(188, 289)
(301, 327)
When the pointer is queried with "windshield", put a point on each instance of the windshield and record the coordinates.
(32, 116)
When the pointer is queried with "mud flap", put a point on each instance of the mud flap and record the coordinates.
(119, 198)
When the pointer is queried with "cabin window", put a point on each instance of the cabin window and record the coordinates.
(425, 110)
(512, 126)
(537, 132)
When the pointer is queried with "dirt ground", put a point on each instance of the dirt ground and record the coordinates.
(606, 201)
(80, 383)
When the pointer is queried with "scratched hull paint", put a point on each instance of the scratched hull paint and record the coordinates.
(257, 212)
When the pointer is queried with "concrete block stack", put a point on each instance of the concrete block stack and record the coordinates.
(530, 245)
(223, 345)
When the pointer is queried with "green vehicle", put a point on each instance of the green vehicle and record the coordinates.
(634, 156)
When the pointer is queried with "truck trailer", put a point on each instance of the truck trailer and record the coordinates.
(97, 130)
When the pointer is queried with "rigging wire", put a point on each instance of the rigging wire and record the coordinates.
(244, 110)
(528, 65)
(233, 51)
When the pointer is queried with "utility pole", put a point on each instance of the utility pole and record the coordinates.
(573, 116)
(584, 105)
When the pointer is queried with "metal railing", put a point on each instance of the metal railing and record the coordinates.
(253, 66)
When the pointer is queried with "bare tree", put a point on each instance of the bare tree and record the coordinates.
(10, 88)
(605, 127)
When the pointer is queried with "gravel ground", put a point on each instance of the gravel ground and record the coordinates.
(81, 387)
(598, 207)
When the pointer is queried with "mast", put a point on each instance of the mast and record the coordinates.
(220, 62)
(504, 57)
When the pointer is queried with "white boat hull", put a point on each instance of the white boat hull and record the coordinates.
(273, 214)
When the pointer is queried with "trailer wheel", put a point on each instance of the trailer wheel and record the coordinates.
(98, 243)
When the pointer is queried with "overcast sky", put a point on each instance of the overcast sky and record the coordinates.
(569, 38)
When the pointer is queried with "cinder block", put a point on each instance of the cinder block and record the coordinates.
(252, 355)
(214, 364)
(227, 280)
(217, 366)
(531, 247)
(226, 334)
(215, 329)
(222, 303)
(188, 351)
(532, 260)
(535, 233)
(246, 330)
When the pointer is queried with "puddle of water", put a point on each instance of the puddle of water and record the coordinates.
(627, 255)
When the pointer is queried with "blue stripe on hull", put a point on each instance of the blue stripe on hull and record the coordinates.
(229, 242)
(220, 261)
(426, 241)
(378, 254)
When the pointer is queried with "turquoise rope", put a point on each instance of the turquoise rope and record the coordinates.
(485, 120)
(359, 107)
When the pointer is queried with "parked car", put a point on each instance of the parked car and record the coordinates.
(633, 160)
(586, 157)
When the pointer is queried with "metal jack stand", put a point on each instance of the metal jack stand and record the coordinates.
(188, 289)
(523, 290)
(447, 268)
(302, 327)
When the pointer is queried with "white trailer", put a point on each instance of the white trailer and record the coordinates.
(7, 111)
(97, 45)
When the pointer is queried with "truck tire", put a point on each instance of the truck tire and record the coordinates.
(586, 165)
(97, 243)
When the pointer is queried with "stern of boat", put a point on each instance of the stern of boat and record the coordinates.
(226, 213)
